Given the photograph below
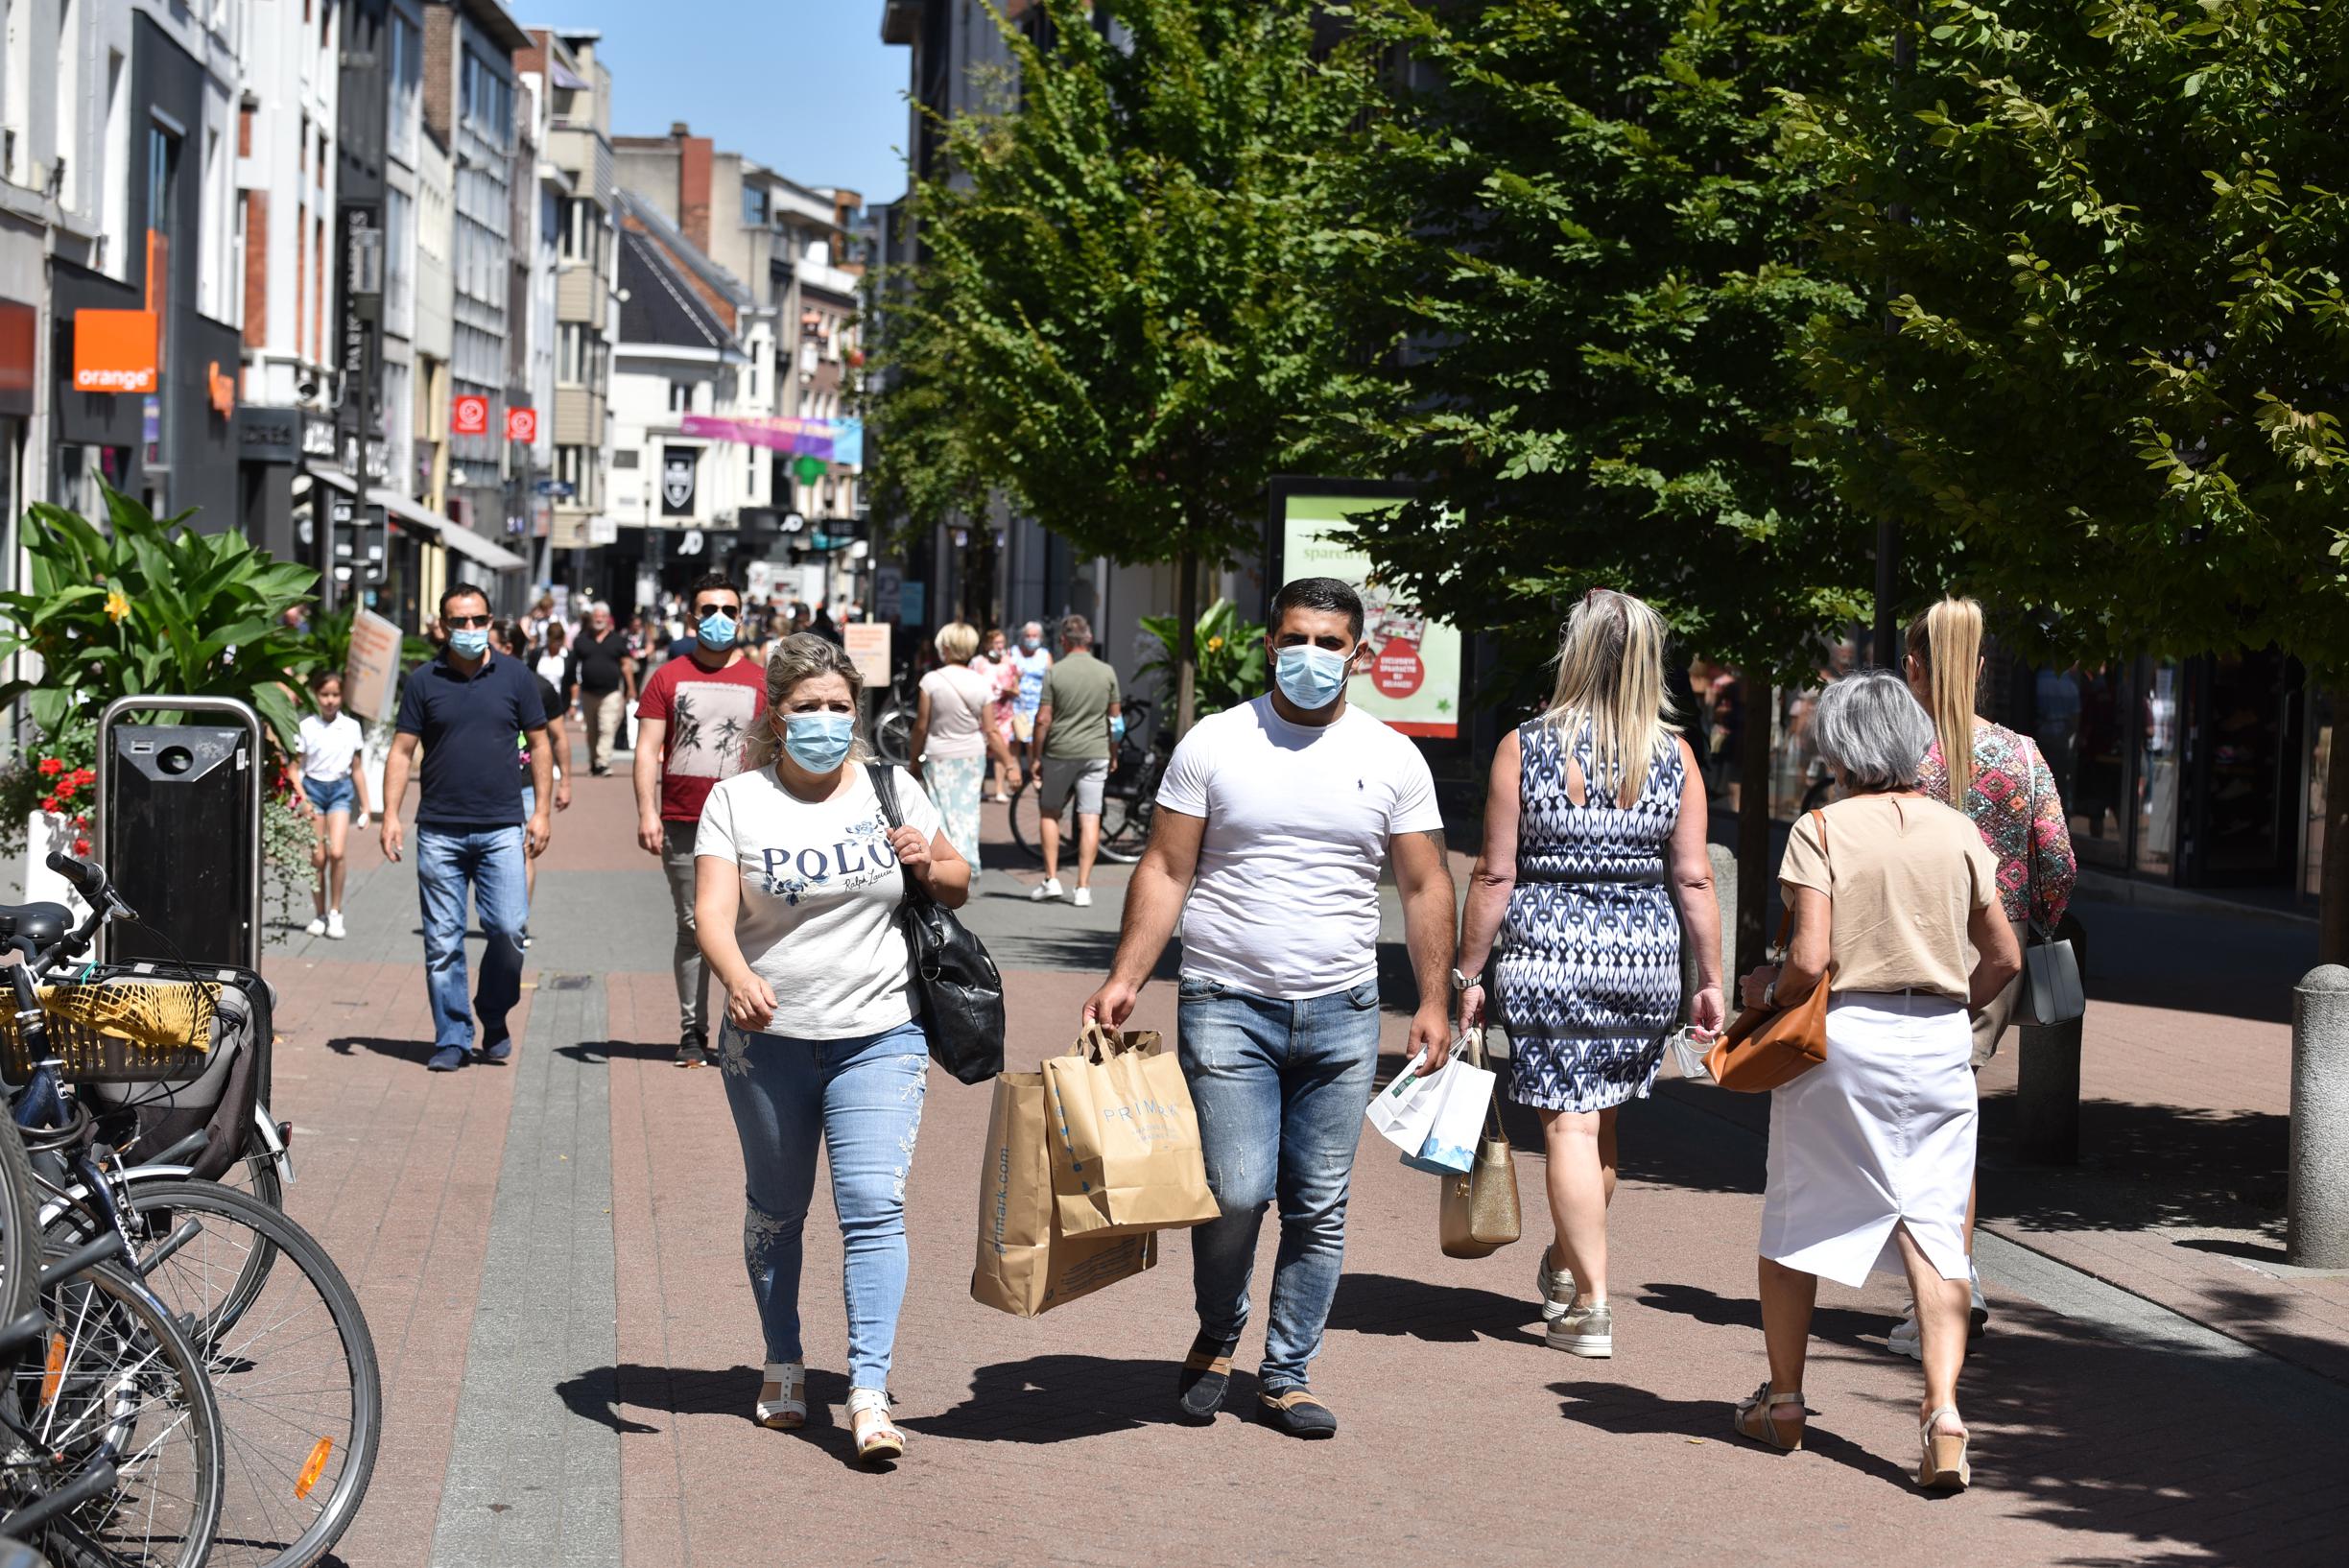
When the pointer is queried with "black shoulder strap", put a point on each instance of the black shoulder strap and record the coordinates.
(886, 789)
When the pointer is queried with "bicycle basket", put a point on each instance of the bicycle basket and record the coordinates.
(117, 1030)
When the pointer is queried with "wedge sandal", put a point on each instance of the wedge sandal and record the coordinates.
(1943, 1467)
(877, 1438)
(782, 1401)
(1754, 1423)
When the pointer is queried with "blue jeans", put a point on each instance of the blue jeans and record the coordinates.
(1280, 1088)
(862, 1099)
(491, 860)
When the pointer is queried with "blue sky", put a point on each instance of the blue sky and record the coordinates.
(804, 87)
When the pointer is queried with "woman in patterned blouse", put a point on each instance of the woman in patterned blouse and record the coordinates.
(1998, 778)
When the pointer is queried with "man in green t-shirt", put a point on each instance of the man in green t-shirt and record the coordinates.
(1076, 741)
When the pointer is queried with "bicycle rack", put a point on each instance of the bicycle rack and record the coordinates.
(250, 762)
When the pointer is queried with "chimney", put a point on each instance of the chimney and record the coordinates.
(693, 153)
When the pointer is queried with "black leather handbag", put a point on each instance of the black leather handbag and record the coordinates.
(959, 990)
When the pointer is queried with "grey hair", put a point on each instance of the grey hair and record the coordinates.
(1869, 728)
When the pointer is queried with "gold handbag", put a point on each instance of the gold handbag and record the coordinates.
(1476, 1214)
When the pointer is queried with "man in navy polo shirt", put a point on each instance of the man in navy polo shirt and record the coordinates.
(466, 708)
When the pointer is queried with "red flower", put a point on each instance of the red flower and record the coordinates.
(49, 803)
(84, 775)
(81, 821)
(65, 787)
(82, 846)
(50, 767)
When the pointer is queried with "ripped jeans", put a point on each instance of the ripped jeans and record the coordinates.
(861, 1097)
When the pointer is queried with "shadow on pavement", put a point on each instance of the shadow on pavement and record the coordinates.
(1836, 1325)
(413, 1050)
(2143, 1165)
(599, 1395)
(596, 1053)
(1061, 1398)
(1622, 1410)
(1440, 1313)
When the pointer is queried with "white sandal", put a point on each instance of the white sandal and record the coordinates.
(877, 1438)
(782, 1401)
(1944, 1466)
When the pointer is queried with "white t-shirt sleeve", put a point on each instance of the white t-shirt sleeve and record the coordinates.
(1184, 786)
(715, 836)
(914, 804)
(1415, 806)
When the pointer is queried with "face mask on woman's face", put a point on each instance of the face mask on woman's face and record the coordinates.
(1029, 645)
(819, 742)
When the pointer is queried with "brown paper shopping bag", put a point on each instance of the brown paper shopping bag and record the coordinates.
(1125, 1138)
(1025, 1265)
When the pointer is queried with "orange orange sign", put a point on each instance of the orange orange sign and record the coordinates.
(114, 350)
(223, 390)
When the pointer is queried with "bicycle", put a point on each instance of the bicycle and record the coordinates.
(112, 1438)
(892, 729)
(1129, 797)
(287, 1349)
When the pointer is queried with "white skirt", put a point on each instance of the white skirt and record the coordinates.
(1879, 1135)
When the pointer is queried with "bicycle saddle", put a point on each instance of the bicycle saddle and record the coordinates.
(44, 923)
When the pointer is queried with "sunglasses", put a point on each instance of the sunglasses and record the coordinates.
(465, 622)
(732, 612)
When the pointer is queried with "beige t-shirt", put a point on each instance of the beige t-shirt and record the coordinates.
(1904, 874)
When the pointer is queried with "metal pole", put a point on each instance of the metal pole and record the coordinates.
(2316, 1213)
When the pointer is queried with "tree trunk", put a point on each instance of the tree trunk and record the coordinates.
(2333, 885)
(1186, 639)
(1754, 870)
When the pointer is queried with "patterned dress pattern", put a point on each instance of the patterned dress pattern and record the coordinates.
(2013, 799)
(1589, 975)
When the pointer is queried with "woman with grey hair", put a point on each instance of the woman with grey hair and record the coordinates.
(1896, 905)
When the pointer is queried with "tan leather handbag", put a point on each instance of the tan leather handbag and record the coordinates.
(1767, 1047)
(1478, 1212)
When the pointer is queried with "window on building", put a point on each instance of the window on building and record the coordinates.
(754, 206)
(69, 103)
(399, 259)
(571, 364)
(486, 102)
(583, 231)
(625, 457)
(680, 397)
(406, 78)
(571, 468)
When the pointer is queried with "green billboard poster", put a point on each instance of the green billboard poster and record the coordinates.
(1413, 681)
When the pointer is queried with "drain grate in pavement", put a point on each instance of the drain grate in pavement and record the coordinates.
(565, 982)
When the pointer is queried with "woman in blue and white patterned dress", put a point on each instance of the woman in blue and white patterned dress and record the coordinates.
(1594, 853)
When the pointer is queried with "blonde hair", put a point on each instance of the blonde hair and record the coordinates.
(799, 657)
(958, 642)
(1946, 643)
(1610, 676)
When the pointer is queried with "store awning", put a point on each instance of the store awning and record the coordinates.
(465, 542)
(410, 515)
(333, 478)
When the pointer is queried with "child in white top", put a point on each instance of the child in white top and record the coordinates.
(331, 785)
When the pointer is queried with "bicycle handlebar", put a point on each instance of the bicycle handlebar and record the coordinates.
(88, 877)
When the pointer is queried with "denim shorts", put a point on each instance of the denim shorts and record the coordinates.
(329, 794)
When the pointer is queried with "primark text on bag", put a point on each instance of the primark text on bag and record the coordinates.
(1125, 1140)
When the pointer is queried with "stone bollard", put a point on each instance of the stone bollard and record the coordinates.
(1724, 888)
(2317, 1216)
(2047, 1077)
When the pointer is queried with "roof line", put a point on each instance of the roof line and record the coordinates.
(695, 311)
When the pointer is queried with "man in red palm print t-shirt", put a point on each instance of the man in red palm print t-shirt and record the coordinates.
(693, 725)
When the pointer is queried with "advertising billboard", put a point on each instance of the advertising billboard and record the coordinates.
(1413, 682)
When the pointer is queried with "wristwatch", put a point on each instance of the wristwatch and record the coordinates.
(1769, 995)
(1461, 981)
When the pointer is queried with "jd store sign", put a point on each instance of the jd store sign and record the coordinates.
(678, 468)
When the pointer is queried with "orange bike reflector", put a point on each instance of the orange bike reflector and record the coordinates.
(55, 1374)
(315, 1468)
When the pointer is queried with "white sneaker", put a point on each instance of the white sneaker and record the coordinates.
(334, 925)
(1904, 1339)
(316, 926)
(1043, 891)
(1084, 898)
(1979, 1310)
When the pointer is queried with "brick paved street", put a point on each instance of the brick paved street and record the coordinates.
(550, 1257)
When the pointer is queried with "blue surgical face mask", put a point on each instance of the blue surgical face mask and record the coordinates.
(819, 742)
(715, 631)
(469, 642)
(1028, 645)
(1311, 678)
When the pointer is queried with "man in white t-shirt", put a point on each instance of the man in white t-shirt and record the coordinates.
(1274, 819)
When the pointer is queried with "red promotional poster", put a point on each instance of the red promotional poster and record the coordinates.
(469, 416)
(522, 425)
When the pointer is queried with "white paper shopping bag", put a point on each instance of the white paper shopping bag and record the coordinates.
(1404, 1111)
(1464, 1094)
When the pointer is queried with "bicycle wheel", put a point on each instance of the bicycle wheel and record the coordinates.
(292, 1363)
(19, 1226)
(1126, 828)
(1026, 833)
(892, 737)
(120, 1381)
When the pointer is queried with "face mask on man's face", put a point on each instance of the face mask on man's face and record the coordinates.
(1311, 678)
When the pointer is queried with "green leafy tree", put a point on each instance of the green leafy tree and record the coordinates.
(1121, 316)
(2109, 242)
(1577, 214)
(1231, 656)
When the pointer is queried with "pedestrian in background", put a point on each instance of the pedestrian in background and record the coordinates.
(954, 735)
(694, 727)
(2002, 783)
(994, 662)
(464, 708)
(333, 785)
(1074, 739)
(601, 680)
(512, 639)
(1033, 661)
(1594, 858)
(1896, 905)
(1279, 864)
(799, 881)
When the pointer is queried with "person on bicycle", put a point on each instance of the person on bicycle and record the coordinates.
(332, 785)
(693, 728)
(1076, 726)
(464, 708)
